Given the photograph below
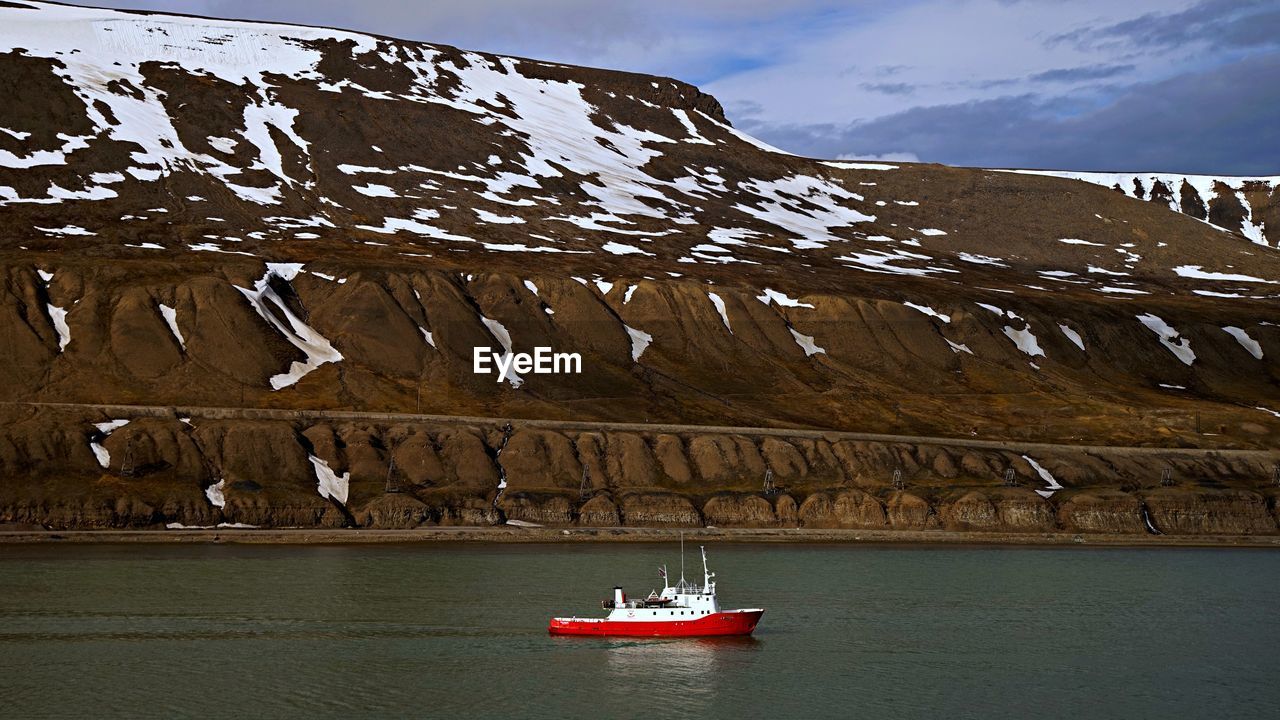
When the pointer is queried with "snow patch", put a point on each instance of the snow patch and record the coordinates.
(499, 333)
(1072, 335)
(171, 318)
(328, 483)
(1024, 338)
(695, 137)
(1194, 271)
(1179, 346)
(488, 217)
(1246, 342)
(375, 190)
(215, 494)
(1044, 475)
(67, 230)
(781, 299)
(59, 317)
(720, 308)
(980, 259)
(639, 341)
(808, 208)
(105, 429)
(928, 311)
(806, 343)
(272, 308)
(858, 165)
(617, 248)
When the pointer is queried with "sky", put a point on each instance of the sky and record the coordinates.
(1187, 86)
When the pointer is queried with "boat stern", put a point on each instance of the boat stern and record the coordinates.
(576, 626)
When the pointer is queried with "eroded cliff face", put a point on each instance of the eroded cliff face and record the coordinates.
(400, 339)
(385, 473)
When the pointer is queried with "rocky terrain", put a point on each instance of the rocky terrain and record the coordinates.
(281, 222)
(262, 468)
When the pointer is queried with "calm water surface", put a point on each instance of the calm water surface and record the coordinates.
(459, 631)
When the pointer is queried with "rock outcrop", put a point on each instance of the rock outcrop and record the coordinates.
(280, 470)
(1179, 511)
(1101, 511)
(739, 511)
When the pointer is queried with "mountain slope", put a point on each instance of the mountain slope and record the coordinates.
(1247, 205)
(215, 213)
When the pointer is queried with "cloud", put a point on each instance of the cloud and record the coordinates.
(889, 88)
(1076, 74)
(1196, 123)
(1216, 23)
(883, 157)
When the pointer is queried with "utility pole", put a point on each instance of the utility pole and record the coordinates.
(126, 464)
(393, 484)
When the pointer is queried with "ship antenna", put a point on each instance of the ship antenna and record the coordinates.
(682, 557)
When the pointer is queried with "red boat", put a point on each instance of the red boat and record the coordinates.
(681, 610)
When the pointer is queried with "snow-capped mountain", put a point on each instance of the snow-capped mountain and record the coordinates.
(202, 212)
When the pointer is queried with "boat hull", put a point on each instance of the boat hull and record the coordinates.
(731, 622)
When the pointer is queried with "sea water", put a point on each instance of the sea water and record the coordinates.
(453, 630)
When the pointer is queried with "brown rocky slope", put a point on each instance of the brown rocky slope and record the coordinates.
(209, 213)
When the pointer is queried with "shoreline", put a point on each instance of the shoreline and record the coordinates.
(520, 535)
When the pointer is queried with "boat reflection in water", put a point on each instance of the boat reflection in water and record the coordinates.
(690, 668)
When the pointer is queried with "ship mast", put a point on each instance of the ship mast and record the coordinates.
(707, 587)
(682, 559)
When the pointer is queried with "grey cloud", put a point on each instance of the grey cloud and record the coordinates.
(890, 70)
(1078, 74)
(889, 88)
(881, 71)
(986, 84)
(744, 110)
(1218, 23)
(1222, 121)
